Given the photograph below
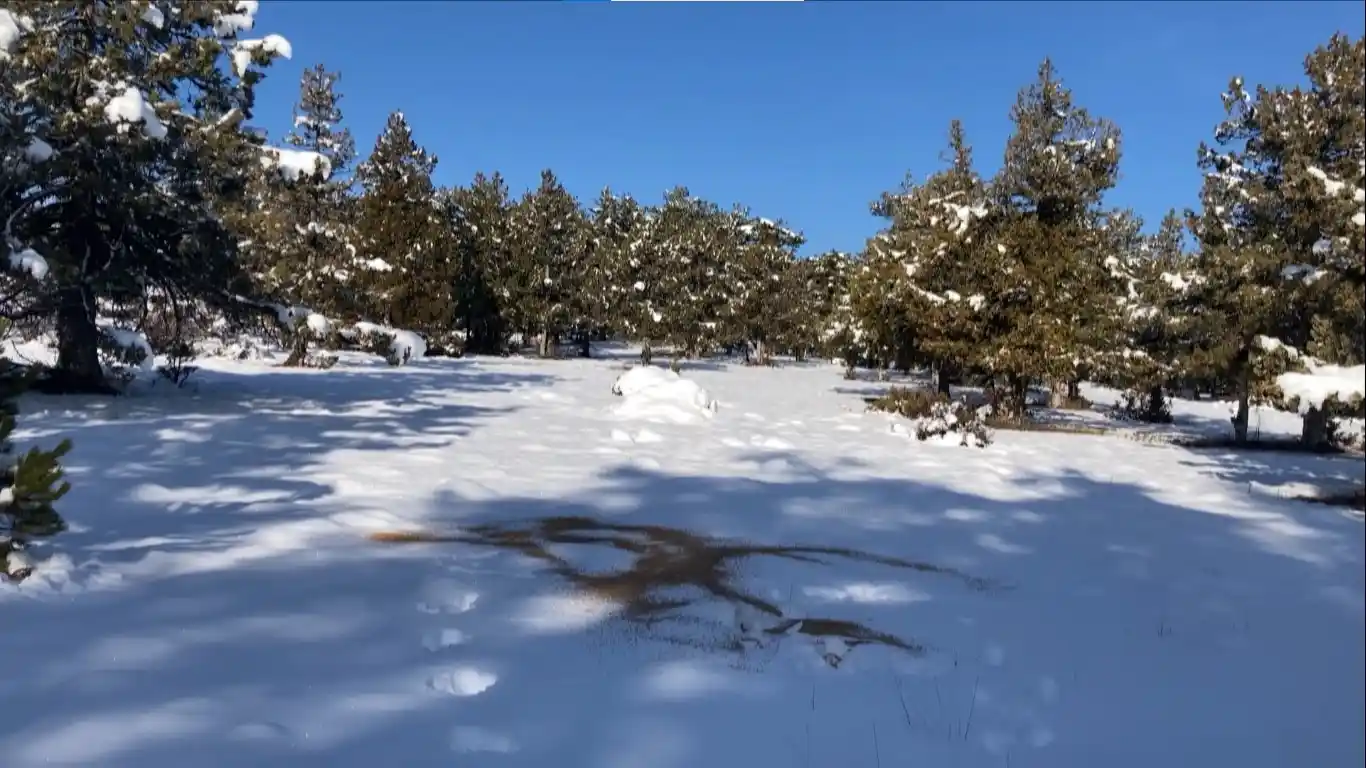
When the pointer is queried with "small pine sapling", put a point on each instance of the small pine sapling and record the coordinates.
(29, 486)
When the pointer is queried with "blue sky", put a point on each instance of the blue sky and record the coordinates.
(802, 111)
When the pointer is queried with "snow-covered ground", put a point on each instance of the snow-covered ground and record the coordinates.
(1057, 600)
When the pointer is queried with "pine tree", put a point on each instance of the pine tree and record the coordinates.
(628, 269)
(480, 217)
(324, 209)
(549, 248)
(762, 301)
(1281, 251)
(937, 238)
(692, 238)
(22, 269)
(1052, 303)
(299, 232)
(30, 485)
(401, 235)
(1151, 354)
(145, 125)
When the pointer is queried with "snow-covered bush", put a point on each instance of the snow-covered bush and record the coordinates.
(908, 402)
(124, 353)
(29, 485)
(177, 368)
(956, 417)
(1151, 407)
(396, 346)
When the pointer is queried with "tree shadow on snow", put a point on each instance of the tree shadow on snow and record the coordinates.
(319, 661)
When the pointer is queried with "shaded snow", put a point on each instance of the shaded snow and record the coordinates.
(38, 151)
(154, 16)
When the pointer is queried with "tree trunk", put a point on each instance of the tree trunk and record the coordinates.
(1157, 403)
(1012, 403)
(1058, 392)
(298, 352)
(1243, 389)
(544, 342)
(586, 345)
(943, 380)
(1314, 432)
(646, 353)
(78, 368)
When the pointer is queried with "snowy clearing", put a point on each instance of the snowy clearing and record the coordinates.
(1050, 600)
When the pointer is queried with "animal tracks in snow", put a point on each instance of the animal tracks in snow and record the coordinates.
(440, 639)
(462, 681)
(448, 597)
(477, 739)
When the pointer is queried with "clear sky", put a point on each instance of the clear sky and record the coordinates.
(802, 111)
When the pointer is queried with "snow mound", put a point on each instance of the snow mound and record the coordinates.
(656, 394)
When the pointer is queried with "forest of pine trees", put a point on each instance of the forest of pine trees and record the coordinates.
(136, 194)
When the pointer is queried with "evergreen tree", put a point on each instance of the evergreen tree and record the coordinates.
(629, 271)
(1052, 302)
(1151, 354)
(480, 217)
(763, 299)
(29, 485)
(300, 239)
(937, 239)
(401, 234)
(549, 248)
(145, 124)
(1279, 231)
(692, 238)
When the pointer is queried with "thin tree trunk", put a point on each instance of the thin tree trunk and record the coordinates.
(1314, 432)
(943, 380)
(1243, 387)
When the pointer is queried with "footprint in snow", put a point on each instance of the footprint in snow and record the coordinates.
(462, 681)
(447, 596)
(476, 739)
(438, 639)
(641, 437)
(263, 731)
(772, 443)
